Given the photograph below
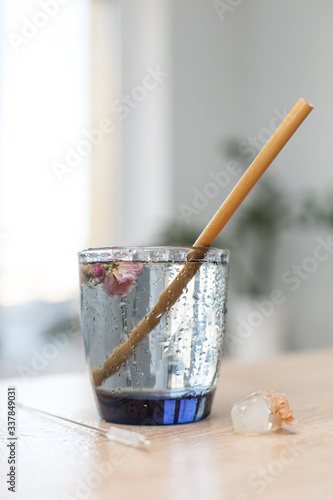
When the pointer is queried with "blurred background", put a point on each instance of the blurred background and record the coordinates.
(128, 123)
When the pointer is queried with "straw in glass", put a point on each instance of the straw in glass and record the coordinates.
(170, 295)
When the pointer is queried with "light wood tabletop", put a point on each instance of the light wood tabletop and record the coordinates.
(203, 460)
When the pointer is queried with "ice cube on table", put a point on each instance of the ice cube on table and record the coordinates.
(251, 415)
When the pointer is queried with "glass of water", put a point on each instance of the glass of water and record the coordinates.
(171, 375)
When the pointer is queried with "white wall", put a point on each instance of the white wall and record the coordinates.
(230, 74)
(146, 126)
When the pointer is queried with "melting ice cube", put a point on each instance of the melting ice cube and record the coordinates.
(251, 415)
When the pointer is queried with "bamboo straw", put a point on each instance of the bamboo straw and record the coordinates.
(170, 295)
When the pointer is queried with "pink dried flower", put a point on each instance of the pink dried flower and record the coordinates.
(127, 271)
(98, 271)
(119, 280)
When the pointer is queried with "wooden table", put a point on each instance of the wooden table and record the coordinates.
(204, 460)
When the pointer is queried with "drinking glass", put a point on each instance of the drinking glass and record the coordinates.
(170, 376)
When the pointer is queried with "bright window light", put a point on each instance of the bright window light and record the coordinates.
(44, 99)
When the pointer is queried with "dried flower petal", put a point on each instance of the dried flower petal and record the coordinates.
(119, 280)
(84, 271)
(118, 277)
(279, 406)
(112, 287)
(98, 271)
(127, 271)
